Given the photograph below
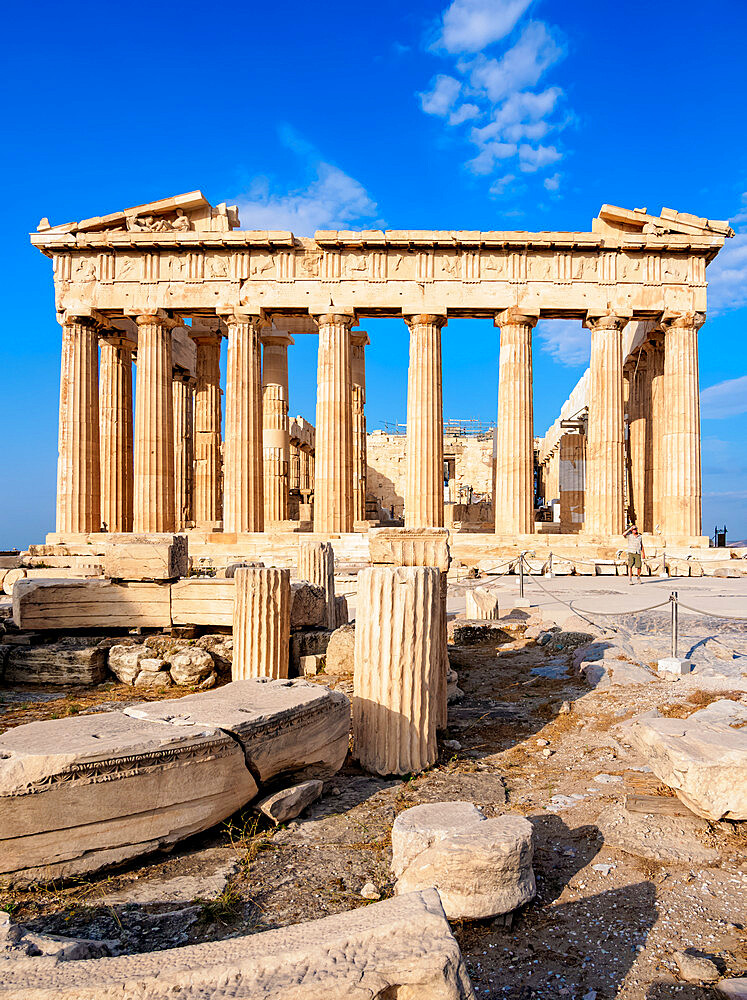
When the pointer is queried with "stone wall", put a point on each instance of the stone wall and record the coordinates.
(386, 466)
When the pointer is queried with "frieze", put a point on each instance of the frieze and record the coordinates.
(130, 765)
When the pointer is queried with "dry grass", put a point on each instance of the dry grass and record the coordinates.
(696, 700)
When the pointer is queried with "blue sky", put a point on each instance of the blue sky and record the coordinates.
(476, 114)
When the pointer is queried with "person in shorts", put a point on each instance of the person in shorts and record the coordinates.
(636, 555)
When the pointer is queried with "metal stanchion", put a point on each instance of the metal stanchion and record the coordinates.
(521, 574)
(675, 623)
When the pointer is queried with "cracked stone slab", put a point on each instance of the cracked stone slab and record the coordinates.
(402, 946)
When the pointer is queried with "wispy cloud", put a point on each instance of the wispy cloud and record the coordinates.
(727, 275)
(565, 340)
(497, 91)
(331, 199)
(725, 399)
(470, 25)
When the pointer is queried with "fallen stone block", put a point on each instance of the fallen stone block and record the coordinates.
(481, 867)
(733, 989)
(696, 968)
(284, 726)
(191, 666)
(67, 662)
(80, 793)
(481, 604)
(286, 804)
(308, 605)
(702, 758)
(79, 604)
(312, 665)
(129, 557)
(341, 651)
(203, 601)
(342, 615)
(399, 947)
(313, 642)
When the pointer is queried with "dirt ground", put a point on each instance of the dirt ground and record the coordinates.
(527, 737)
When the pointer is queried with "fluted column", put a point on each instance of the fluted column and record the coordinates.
(605, 456)
(154, 428)
(78, 464)
(397, 667)
(294, 466)
(571, 477)
(514, 474)
(243, 504)
(261, 623)
(115, 433)
(276, 444)
(207, 461)
(655, 440)
(424, 460)
(639, 432)
(333, 468)
(681, 441)
(304, 456)
(359, 342)
(316, 563)
(182, 388)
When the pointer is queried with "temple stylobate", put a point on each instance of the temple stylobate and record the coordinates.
(161, 284)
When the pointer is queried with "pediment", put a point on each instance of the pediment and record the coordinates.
(190, 212)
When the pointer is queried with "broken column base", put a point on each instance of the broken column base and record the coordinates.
(674, 667)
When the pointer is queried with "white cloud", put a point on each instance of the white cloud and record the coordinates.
(440, 99)
(532, 158)
(470, 25)
(485, 161)
(727, 276)
(725, 399)
(552, 183)
(332, 200)
(464, 114)
(565, 340)
(498, 187)
(518, 68)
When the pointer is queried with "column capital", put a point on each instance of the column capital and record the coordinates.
(239, 314)
(693, 320)
(87, 318)
(607, 321)
(275, 338)
(150, 317)
(179, 375)
(359, 338)
(117, 338)
(515, 317)
(425, 319)
(346, 318)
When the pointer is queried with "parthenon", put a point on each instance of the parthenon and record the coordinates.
(161, 284)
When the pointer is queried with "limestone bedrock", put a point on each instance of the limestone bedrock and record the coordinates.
(702, 758)
(401, 947)
(481, 867)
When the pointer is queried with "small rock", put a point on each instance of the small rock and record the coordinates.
(452, 744)
(369, 891)
(547, 753)
(190, 666)
(733, 989)
(603, 869)
(290, 802)
(565, 708)
(694, 969)
(543, 743)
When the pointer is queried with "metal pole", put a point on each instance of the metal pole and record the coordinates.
(521, 575)
(675, 623)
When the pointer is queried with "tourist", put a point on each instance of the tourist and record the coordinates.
(636, 555)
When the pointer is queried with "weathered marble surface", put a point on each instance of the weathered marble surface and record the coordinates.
(81, 793)
(368, 952)
(703, 758)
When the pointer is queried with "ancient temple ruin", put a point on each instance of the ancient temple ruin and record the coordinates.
(160, 285)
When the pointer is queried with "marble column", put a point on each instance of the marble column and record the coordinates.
(243, 503)
(276, 444)
(207, 438)
(514, 475)
(571, 480)
(154, 428)
(115, 430)
(304, 470)
(605, 447)
(654, 442)
(333, 468)
(182, 388)
(639, 431)
(294, 476)
(359, 341)
(681, 438)
(78, 468)
(424, 460)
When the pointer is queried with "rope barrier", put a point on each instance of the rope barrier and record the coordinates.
(712, 614)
